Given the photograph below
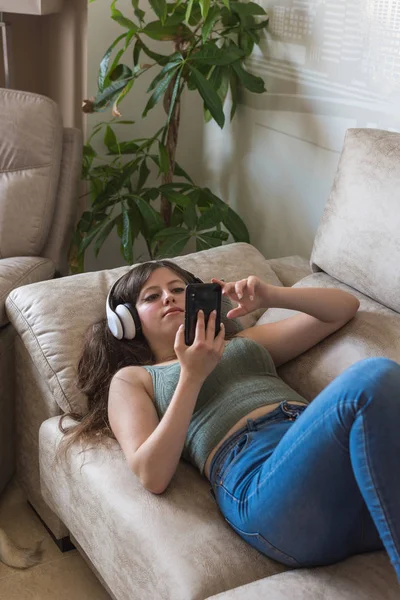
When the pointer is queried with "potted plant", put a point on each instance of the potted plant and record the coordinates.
(208, 42)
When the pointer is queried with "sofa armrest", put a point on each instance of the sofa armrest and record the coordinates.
(18, 271)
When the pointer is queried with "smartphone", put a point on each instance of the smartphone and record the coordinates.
(205, 297)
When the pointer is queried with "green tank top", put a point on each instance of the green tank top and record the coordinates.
(244, 379)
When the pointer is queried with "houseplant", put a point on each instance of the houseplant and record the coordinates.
(210, 40)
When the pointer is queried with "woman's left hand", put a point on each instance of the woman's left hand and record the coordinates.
(250, 293)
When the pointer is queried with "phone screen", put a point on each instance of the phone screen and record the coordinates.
(201, 296)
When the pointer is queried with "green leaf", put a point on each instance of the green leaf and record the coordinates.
(173, 98)
(227, 4)
(121, 71)
(110, 139)
(212, 18)
(160, 8)
(234, 95)
(85, 222)
(157, 31)
(179, 172)
(105, 62)
(173, 246)
(173, 187)
(126, 238)
(205, 7)
(87, 240)
(136, 51)
(176, 198)
(152, 218)
(236, 227)
(88, 150)
(204, 241)
(159, 91)
(246, 43)
(190, 216)
(117, 16)
(164, 158)
(159, 58)
(210, 218)
(171, 65)
(251, 82)
(210, 96)
(124, 148)
(247, 8)
(122, 95)
(177, 216)
(189, 10)
(105, 232)
(140, 14)
(144, 172)
(110, 93)
(169, 232)
(210, 54)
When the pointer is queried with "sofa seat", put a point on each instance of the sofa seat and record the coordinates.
(172, 546)
(363, 577)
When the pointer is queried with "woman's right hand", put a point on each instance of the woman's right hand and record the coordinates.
(201, 358)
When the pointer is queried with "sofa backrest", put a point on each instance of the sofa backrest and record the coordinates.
(358, 240)
(52, 317)
(31, 133)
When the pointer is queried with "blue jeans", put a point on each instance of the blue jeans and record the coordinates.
(312, 485)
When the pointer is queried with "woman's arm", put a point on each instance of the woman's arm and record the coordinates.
(326, 304)
(152, 448)
(322, 312)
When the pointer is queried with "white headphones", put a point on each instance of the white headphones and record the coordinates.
(124, 322)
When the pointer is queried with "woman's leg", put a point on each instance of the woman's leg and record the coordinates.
(333, 480)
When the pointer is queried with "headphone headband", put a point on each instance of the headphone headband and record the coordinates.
(124, 321)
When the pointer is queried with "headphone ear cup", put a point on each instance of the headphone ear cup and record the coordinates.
(131, 326)
(115, 325)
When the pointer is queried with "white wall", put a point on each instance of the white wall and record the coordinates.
(328, 65)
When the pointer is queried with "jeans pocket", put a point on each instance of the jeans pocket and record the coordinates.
(233, 456)
(261, 544)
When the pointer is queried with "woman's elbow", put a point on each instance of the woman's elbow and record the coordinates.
(147, 480)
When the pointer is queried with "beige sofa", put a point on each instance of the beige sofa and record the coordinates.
(177, 546)
(40, 163)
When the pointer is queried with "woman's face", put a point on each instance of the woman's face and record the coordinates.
(161, 304)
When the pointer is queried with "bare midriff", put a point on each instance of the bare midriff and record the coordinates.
(254, 414)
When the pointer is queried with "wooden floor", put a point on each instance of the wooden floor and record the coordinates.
(59, 576)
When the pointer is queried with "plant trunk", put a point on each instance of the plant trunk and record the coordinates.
(171, 144)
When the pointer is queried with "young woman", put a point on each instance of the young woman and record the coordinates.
(306, 485)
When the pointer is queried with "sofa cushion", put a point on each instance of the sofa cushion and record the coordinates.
(30, 157)
(367, 576)
(172, 546)
(375, 331)
(357, 241)
(290, 269)
(18, 271)
(52, 317)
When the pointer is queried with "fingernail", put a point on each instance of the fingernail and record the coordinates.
(251, 298)
(240, 296)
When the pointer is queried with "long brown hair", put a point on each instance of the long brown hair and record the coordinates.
(103, 355)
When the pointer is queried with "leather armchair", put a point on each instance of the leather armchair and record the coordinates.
(40, 165)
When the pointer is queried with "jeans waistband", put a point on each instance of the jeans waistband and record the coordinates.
(282, 412)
